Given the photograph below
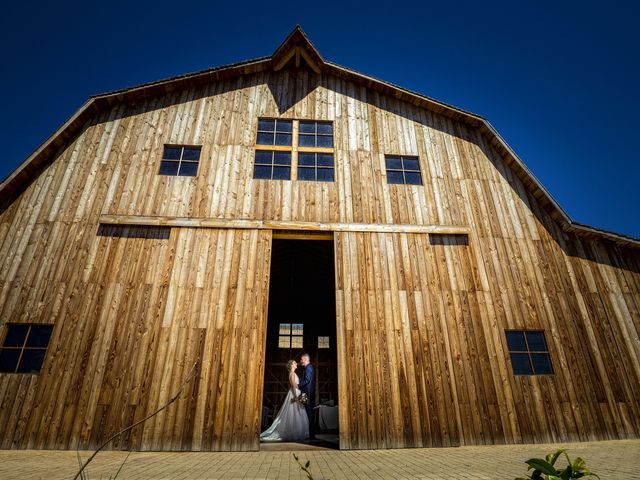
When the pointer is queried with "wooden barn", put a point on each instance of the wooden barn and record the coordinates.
(224, 221)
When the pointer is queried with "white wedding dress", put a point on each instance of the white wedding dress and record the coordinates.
(292, 422)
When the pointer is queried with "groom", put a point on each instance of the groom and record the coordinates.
(307, 385)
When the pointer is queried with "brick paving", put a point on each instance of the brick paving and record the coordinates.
(611, 460)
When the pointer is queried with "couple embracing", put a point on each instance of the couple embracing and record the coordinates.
(295, 418)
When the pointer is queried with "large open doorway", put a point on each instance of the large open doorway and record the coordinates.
(302, 318)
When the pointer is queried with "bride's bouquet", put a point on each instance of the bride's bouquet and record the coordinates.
(302, 398)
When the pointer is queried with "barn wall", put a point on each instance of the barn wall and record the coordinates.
(441, 324)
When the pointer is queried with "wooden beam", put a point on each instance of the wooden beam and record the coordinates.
(243, 223)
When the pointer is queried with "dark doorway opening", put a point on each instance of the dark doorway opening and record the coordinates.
(302, 319)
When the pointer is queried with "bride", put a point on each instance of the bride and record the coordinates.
(292, 422)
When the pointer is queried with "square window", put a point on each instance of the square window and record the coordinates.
(325, 160)
(403, 169)
(411, 164)
(179, 160)
(323, 342)
(24, 348)
(297, 329)
(283, 139)
(325, 142)
(393, 163)
(284, 341)
(528, 352)
(296, 342)
(191, 154)
(285, 329)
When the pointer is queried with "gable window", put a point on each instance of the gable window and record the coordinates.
(24, 347)
(290, 335)
(180, 160)
(529, 352)
(403, 169)
(294, 150)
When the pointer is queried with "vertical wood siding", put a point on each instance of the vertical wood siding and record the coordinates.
(421, 319)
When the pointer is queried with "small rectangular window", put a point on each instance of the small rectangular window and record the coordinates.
(315, 134)
(290, 335)
(528, 352)
(316, 167)
(275, 132)
(272, 165)
(24, 348)
(323, 342)
(402, 169)
(180, 160)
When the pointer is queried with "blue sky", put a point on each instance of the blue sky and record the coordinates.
(558, 80)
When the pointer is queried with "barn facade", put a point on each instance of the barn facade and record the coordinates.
(457, 303)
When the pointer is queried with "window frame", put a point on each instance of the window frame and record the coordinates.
(295, 149)
(403, 170)
(180, 161)
(24, 346)
(528, 351)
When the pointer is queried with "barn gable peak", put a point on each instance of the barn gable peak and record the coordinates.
(297, 51)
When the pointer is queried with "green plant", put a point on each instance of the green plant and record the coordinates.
(305, 467)
(545, 469)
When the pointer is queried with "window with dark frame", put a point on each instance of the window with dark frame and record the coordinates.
(315, 134)
(275, 132)
(529, 352)
(316, 167)
(272, 165)
(180, 160)
(24, 347)
(403, 169)
(290, 335)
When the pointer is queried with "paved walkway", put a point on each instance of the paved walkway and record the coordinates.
(616, 460)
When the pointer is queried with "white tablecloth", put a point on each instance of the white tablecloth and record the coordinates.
(328, 417)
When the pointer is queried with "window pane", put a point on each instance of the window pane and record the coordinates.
(393, 163)
(171, 153)
(282, 158)
(191, 153)
(536, 342)
(325, 174)
(515, 341)
(325, 160)
(307, 141)
(412, 178)
(281, 173)
(9, 359)
(262, 172)
(283, 139)
(168, 168)
(325, 128)
(297, 329)
(411, 164)
(31, 361)
(521, 365)
(323, 342)
(265, 138)
(541, 363)
(307, 127)
(285, 329)
(284, 126)
(306, 173)
(39, 336)
(307, 159)
(395, 177)
(325, 142)
(296, 342)
(266, 125)
(284, 341)
(188, 169)
(264, 157)
(15, 335)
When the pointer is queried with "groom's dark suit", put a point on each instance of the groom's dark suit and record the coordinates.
(307, 385)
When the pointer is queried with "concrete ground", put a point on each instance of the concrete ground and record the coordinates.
(611, 460)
